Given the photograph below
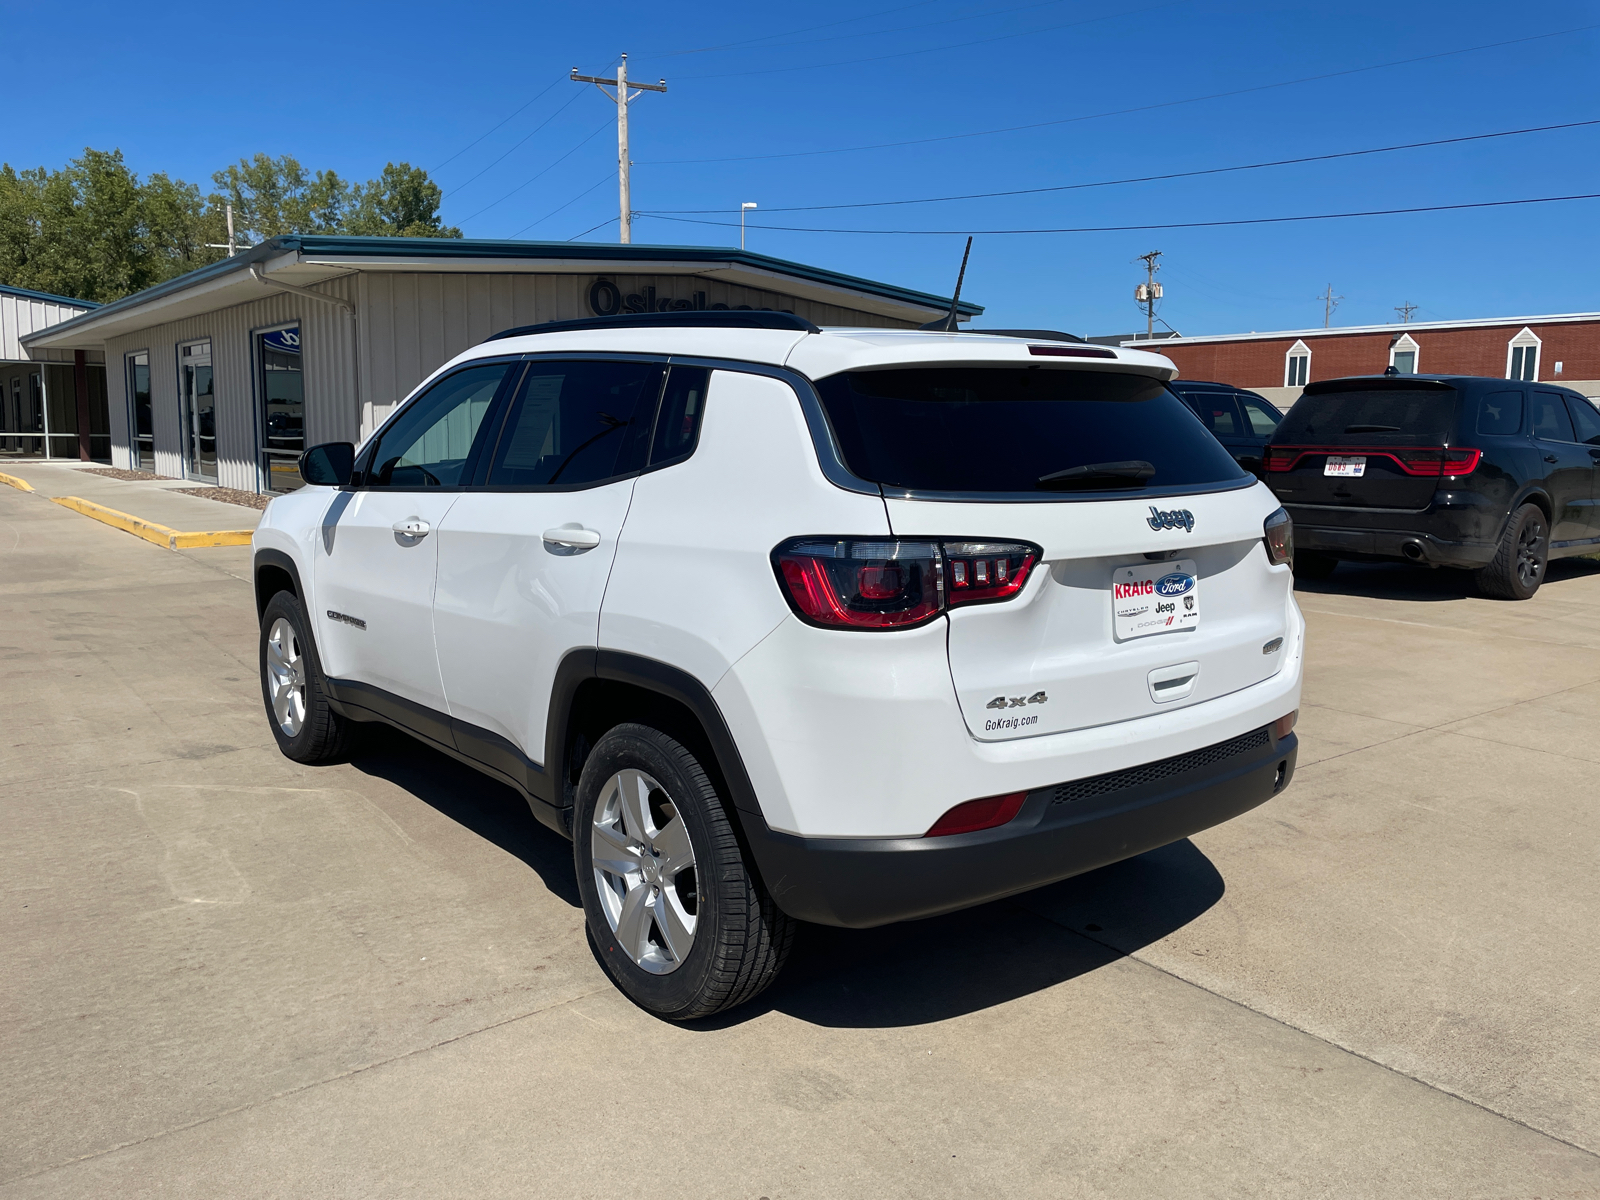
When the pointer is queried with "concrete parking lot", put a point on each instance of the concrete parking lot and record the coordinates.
(226, 974)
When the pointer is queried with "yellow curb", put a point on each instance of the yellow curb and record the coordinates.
(160, 535)
(20, 484)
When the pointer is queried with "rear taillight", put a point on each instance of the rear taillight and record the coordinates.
(978, 814)
(877, 583)
(1278, 532)
(1413, 460)
(1284, 726)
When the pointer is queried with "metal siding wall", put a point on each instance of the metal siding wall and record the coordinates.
(326, 360)
(414, 323)
(21, 315)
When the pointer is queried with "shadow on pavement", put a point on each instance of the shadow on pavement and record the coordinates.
(1401, 581)
(491, 810)
(925, 971)
(908, 974)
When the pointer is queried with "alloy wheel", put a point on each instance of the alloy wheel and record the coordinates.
(1530, 553)
(644, 871)
(286, 677)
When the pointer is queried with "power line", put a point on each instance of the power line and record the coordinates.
(1004, 37)
(1376, 212)
(473, 143)
(504, 156)
(1121, 112)
(592, 228)
(790, 33)
(606, 178)
(598, 130)
(1073, 187)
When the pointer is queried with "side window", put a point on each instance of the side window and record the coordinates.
(429, 444)
(1585, 419)
(1550, 419)
(1259, 415)
(1219, 413)
(577, 423)
(678, 425)
(1500, 413)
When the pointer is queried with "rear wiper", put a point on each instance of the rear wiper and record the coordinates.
(1131, 473)
(1372, 429)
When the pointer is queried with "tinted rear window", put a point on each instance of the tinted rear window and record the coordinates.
(1370, 416)
(998, 429)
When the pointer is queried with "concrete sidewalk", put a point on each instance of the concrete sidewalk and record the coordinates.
(227, 974)
(159, 501)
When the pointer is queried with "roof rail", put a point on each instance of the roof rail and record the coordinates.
(688, 319)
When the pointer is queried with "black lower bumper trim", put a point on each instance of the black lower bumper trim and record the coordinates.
(862, 882)
(1390, 545)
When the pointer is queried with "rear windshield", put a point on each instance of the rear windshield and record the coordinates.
(1000, 429)
(1370, 416)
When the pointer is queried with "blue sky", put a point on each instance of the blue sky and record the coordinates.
(180, 89)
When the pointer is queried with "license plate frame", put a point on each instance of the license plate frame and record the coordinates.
(1345, 466)
(1154, 598)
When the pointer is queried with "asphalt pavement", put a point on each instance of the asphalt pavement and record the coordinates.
(226, 974)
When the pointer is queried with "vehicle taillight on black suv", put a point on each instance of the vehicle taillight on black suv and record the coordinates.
(880, 583)
(1413, 460)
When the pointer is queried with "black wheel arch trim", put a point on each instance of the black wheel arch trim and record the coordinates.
(267, 557)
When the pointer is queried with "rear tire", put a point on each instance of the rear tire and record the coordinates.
(1308, 564)
(295, 689)
(679, 921)
(1521, 559)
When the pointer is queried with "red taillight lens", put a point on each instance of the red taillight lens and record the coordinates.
(1281, 458)
(978, 814)
(1413, 460)
(1278, 532)
(861, 583)
(977, 571)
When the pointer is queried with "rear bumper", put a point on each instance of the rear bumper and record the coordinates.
(1392, 545)
(1061, 831)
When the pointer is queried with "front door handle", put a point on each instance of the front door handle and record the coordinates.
(412, 527)
(1551, 458)
(574, 537)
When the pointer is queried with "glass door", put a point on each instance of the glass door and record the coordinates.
(198, 392)
(280, 392)
(142, 443)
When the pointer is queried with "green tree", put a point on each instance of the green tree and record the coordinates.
(402, 202)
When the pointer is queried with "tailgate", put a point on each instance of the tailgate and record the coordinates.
(1068, 652)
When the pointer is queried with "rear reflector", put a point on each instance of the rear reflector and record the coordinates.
(1284, 726)
(978, 814)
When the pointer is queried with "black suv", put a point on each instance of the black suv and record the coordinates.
(1242, 421)
(1494, 475)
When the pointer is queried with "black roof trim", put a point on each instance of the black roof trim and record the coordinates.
(1392, 383)
(731, 319)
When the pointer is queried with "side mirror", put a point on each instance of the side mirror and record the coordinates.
(330, 464)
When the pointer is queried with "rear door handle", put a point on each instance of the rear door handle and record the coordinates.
(412, 527)
(574, 537)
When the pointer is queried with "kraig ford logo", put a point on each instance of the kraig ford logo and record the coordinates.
(1140, 587)
(1175, 584)
(1177, 518)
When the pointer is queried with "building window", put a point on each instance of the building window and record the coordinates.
(141, 424)
(1297, 365)
(1403, 355)
(1522, 357)
(281, 390)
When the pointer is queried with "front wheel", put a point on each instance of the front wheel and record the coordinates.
(295, 690)
(1519, 563)
(680, 922)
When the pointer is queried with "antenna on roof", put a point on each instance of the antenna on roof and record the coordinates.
(949, 322)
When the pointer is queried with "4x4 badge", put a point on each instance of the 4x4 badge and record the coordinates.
(1018, 701)
(1177, 518)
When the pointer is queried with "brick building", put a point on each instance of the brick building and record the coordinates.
(1562, 349)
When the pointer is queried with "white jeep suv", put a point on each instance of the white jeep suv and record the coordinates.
(779, 623)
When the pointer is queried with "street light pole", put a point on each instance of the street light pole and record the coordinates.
(748, 204)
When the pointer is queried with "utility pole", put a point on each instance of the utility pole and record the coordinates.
(1148, 292)
(233, 245)
(1405, 311)
(622, 99)
(1329, 303)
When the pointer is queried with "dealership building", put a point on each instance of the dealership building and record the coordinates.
(52, 402)
(1563, 349)
(225, 374)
